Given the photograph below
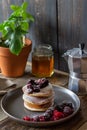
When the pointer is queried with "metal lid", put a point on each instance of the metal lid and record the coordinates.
(77, 52)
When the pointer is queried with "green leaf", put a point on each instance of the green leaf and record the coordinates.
(24, 5)
(14, 7)
(1, 27)
(25, 26)
(9, 33)
(31, 18)
(16, 44)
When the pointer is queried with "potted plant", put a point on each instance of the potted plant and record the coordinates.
(14, 47)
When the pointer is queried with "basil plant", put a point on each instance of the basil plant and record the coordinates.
(15, 28)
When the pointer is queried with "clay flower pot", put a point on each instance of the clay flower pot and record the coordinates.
(12, 65)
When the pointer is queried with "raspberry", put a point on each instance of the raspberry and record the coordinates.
(41, 118)
(58, 114)
(55, 118)
(27, 118)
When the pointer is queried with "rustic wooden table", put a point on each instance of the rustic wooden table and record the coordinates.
(78, 122)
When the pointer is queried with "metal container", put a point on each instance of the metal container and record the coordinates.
(77, 63)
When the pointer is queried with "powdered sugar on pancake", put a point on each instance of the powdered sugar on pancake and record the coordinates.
(38, 95)
(44, 92)
(38, 100)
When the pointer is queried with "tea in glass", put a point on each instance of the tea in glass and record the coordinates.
(43, 61)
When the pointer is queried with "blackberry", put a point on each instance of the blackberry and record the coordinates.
(47, 116)
(36, 88)
(59, 108)
(31, 81)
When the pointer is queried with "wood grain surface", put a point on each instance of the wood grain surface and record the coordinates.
(72, 24)
(61, 23)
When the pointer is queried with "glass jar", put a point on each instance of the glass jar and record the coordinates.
(43, 61)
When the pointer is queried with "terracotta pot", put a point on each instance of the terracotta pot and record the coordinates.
(12, 65)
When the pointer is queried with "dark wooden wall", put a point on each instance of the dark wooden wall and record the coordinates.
(61, 23)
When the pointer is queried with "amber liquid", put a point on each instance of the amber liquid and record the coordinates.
(42, 66)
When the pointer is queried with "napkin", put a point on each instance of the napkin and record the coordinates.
(6, 85)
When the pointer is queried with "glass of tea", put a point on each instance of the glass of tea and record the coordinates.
(43, 61)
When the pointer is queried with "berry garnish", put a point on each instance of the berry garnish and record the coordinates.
(36, 118)
(36, 88)
(49, 111)
(43, 82)
(58, 114)
(67, 110)
(59, 108)
(36, 85)
(47, 116)
(29, 88)
(27, 118)
(31, 81)
(53, 113)
(41, 118)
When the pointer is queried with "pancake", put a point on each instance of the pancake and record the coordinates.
(44, 92)
(38, 100)
(35, 107)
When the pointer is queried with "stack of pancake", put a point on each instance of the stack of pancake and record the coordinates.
(40, 99)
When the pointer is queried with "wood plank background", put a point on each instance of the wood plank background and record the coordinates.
(61, 23)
